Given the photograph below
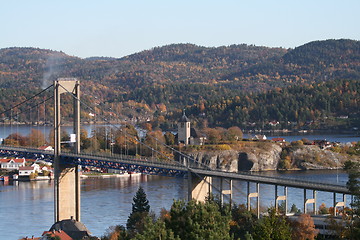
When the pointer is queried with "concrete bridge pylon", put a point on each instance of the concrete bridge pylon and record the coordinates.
(67, 177)
(199, 187)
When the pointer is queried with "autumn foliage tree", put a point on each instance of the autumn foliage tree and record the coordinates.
(36, 138)
(304, 228)
(126, 140)
(15, 139)
(154, 140)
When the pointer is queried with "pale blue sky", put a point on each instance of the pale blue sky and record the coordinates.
(117, 28)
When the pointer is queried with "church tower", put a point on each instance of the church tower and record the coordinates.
(184, 130)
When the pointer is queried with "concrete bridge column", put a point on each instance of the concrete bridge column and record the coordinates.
(281, 198)
(199, 187)
(67, 178)
(225, 191)
(339, 204)
(310, 201)
(253, 195)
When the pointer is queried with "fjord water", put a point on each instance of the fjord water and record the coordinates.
(26, 208)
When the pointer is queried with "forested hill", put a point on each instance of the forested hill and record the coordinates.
(180, 75)
(242, 67)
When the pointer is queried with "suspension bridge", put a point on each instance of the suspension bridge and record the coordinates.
(161, 159)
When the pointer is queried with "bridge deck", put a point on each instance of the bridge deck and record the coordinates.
(174, 169)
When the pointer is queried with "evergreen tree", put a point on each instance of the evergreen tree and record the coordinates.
(140, 211)
(353, 184)
(197, 221)
(155, 231)
(242, 222)
(272, 227)
(140, 204)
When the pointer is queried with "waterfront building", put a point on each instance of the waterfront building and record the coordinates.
(26, 171)
(12, 164)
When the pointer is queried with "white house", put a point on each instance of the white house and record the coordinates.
(260, 137)
(12, 164)
(26, 171)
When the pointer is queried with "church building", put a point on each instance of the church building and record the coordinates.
(184, 130)
(188, 135)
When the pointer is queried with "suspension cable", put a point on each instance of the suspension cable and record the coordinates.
(36, 105)
(26, 100)
(141, 143)
(116, 127)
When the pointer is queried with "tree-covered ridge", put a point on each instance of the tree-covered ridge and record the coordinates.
(225, 80)
(244, 67)
(310, 104)
(334, 52)
(233, 54)
(313, 62)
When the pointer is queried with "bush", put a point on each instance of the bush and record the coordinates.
(323, 209)
(33, 175)
(297, 143)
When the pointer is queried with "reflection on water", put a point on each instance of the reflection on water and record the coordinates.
(107, 202)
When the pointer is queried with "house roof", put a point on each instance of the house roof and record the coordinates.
(73, 228)
(184, 118)
(196, 133)
(46, 148)
(16, 160)
(32, 238)
(278, 139)
(61, 234)
(19, 160)
(26, 168)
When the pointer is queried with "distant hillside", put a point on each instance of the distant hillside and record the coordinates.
(313, 62)
(242, 67)
(180, 75)
(329, 52)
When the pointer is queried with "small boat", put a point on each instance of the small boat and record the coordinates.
(4, 178)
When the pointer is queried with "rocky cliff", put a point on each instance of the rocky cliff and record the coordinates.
(312, 157)
(261, 156)
(255, 157)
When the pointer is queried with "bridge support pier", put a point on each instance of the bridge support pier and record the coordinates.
(310, 201)
(67, 179)
(199, 187)
(67, 190)
(339, 204)
(253, 195)
(225, 191)
(281, 198)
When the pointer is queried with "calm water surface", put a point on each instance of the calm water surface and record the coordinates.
(26, 208)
